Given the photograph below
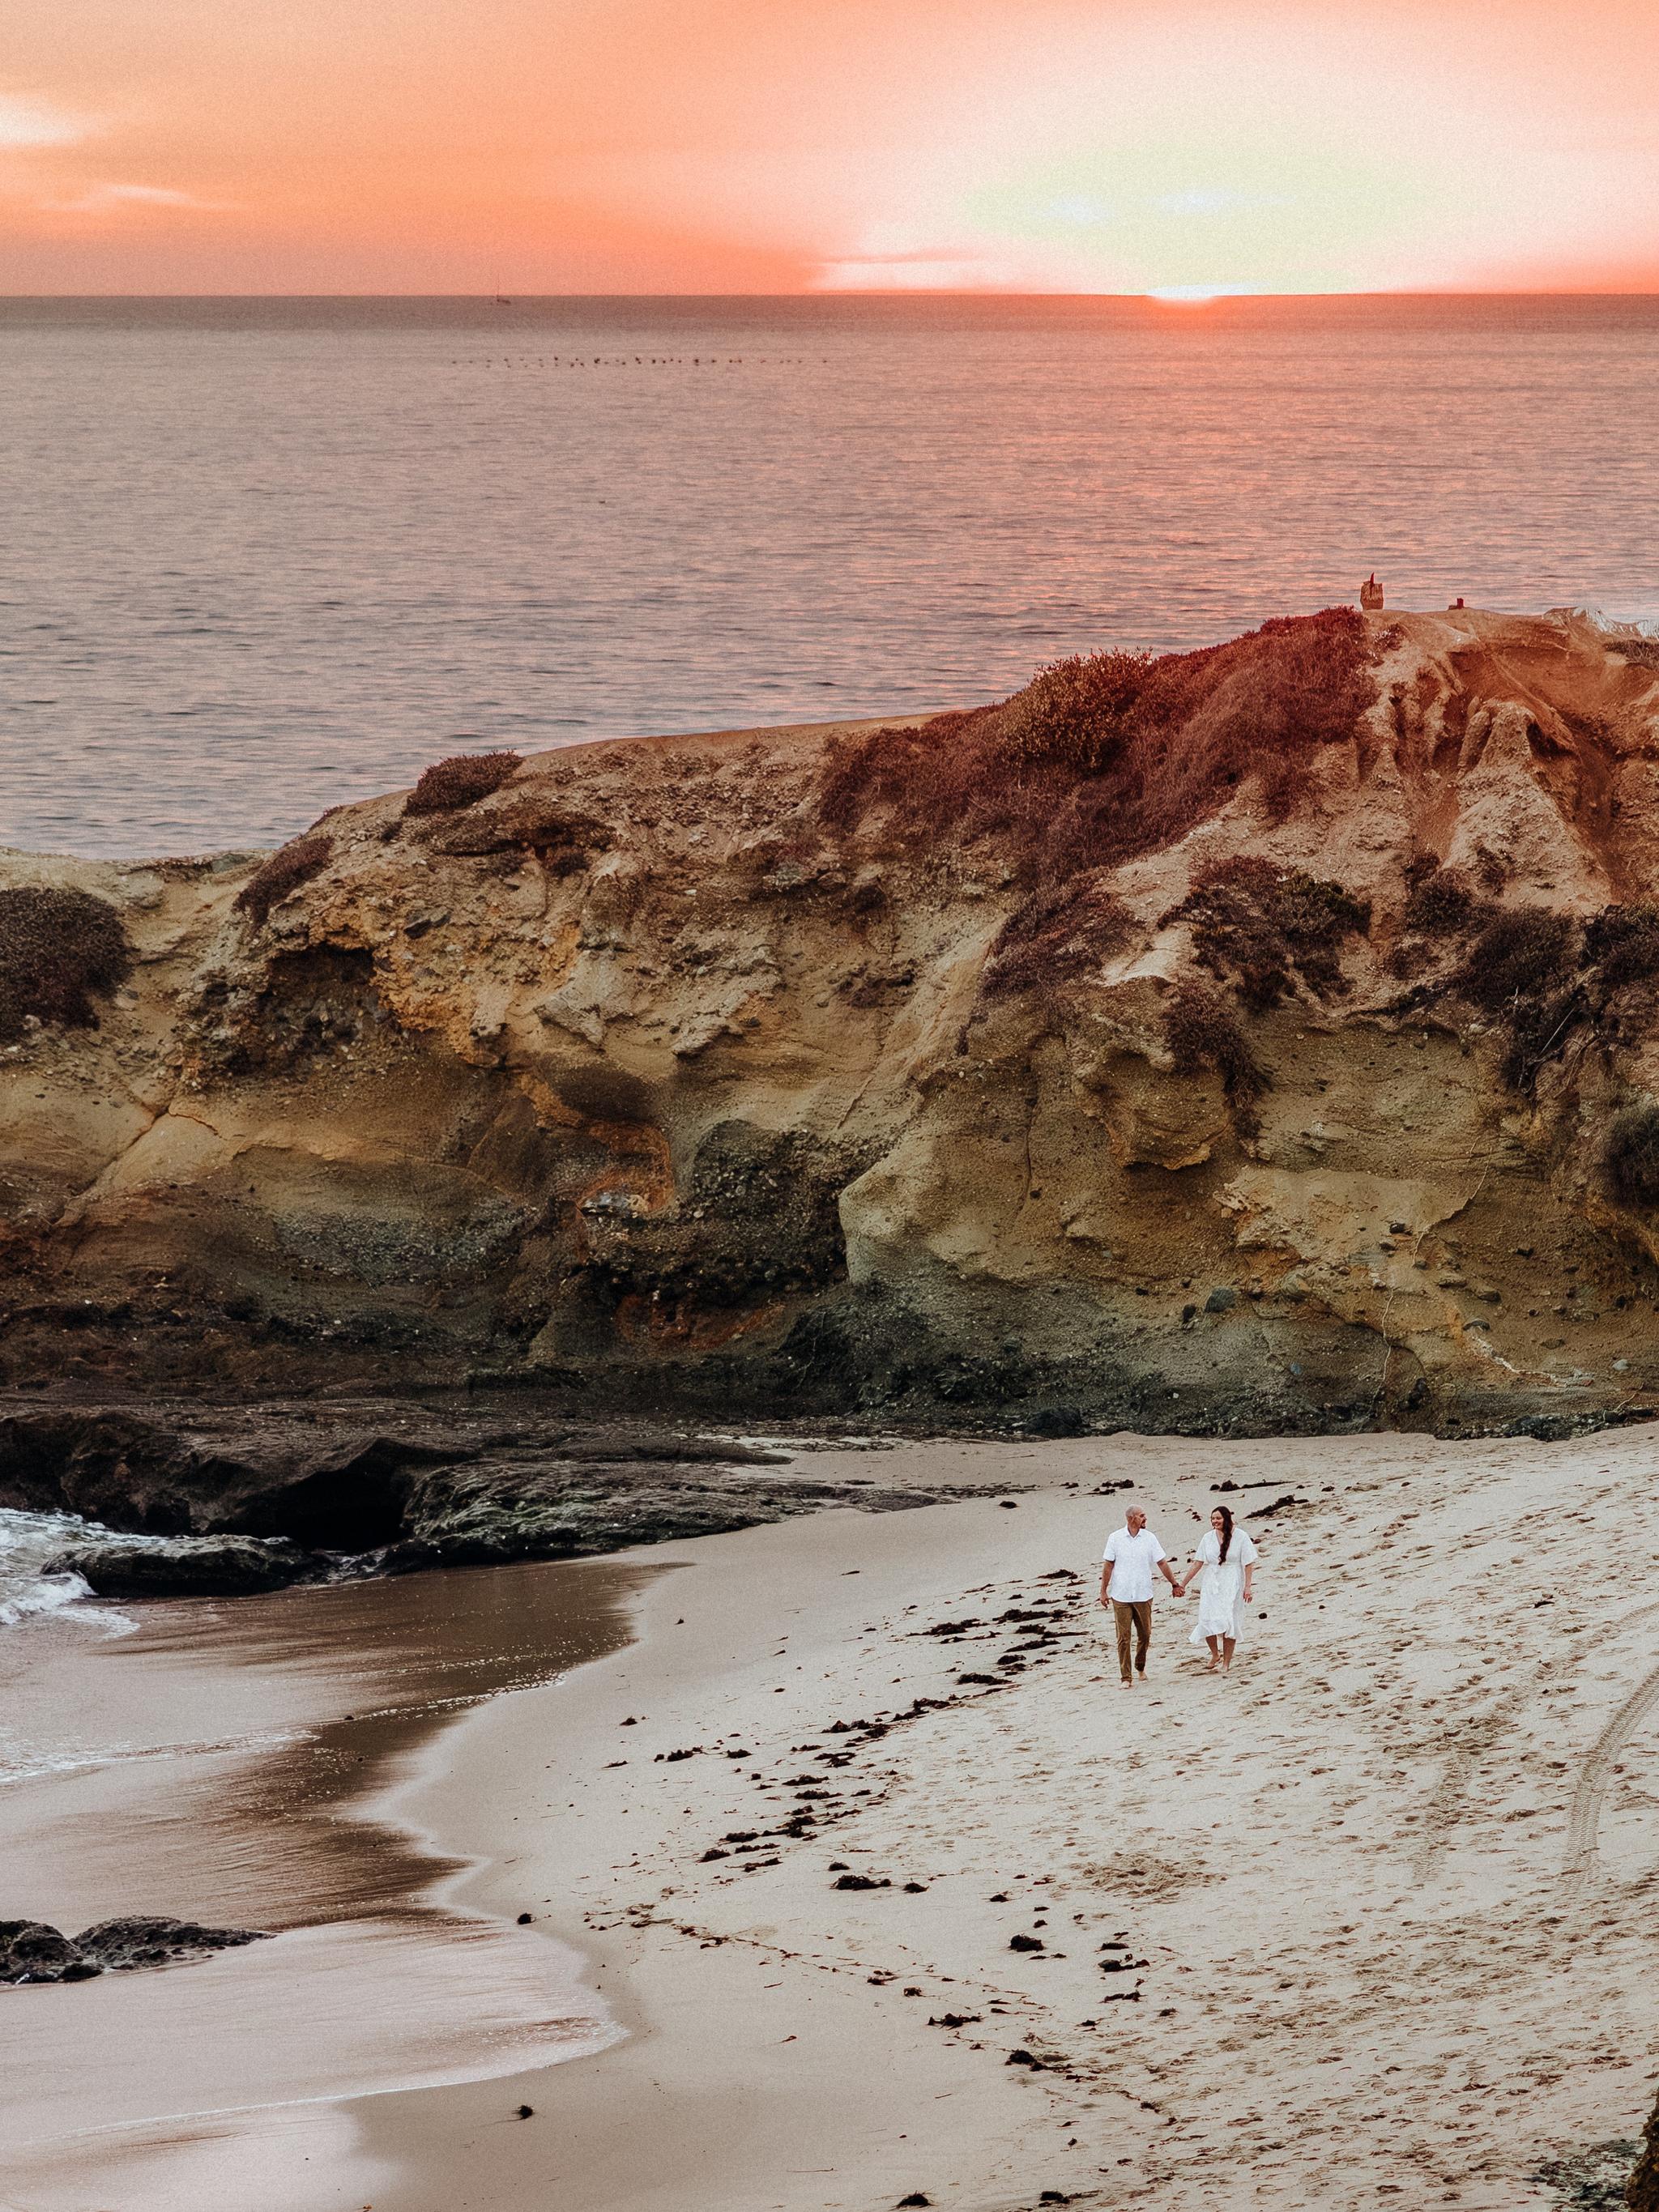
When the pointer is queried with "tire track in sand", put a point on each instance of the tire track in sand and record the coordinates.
(1585, 1814)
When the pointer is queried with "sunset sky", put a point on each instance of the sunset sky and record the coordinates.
(799, 145)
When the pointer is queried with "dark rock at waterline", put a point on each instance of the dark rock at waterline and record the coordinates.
(530, 1503)
(318, 1478)
(30, 1951)
(209, 1567)
(144, 1941)
(411, 1484)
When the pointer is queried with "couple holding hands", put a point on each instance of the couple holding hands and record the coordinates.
(1225, 1559)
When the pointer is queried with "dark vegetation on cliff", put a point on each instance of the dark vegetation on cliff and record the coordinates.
(57, 949)
(1057, 936)
(1202, 1031)
(1631, 1158)
(1264, 929)
(450, 786)
(1103, 758)
(286, 870)
(1100, 759)
(1545, 981)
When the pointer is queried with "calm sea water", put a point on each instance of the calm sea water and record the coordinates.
(260, 556)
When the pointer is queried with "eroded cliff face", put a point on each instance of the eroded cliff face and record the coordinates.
(741, 1070)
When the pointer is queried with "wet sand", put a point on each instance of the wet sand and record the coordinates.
(1371, 1920)
(229, 1762)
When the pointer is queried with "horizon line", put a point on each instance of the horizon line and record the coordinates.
(1181, 297)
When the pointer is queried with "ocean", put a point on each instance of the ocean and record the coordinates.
(263, 555)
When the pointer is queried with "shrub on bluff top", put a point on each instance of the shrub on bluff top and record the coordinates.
(1102, 758)
(57, 948)
(1631, 1158)
(461, 780)
(285, 871)
(1074, 713)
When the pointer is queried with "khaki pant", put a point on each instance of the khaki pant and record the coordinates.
(1137, 1616)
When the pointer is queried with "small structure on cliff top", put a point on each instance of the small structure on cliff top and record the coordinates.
(1371, 595)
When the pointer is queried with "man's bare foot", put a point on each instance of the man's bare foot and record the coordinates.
(1214, 1666)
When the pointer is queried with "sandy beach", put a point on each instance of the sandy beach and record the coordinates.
(1369, 1920)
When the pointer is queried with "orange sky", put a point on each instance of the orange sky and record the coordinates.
(788, 145)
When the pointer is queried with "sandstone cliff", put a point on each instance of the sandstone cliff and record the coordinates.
(1267, 1038)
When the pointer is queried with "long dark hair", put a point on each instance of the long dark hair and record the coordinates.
(1226, 1513)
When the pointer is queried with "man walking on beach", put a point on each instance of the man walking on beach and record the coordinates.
(1126, 1579)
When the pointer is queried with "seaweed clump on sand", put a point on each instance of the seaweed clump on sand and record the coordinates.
(57, 948)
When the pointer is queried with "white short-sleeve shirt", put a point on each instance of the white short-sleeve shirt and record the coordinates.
(1132, 1559)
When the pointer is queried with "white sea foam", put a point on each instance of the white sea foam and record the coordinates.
(33, 1585)
(1640, 628)
(47, 1594)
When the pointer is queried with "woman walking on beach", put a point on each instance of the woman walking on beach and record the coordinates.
(1225, 1558)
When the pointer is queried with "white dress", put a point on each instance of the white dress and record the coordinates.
(1221, 1593)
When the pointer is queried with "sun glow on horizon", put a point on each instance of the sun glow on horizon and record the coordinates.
(710, 145)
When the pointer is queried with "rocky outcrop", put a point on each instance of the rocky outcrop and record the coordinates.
(230, 1501)
(30, 1951)
(1642, 2193)
(187, 1566)
(1263, 1039)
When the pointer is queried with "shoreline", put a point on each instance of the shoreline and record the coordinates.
(1350, 1909)
(238, 1764)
